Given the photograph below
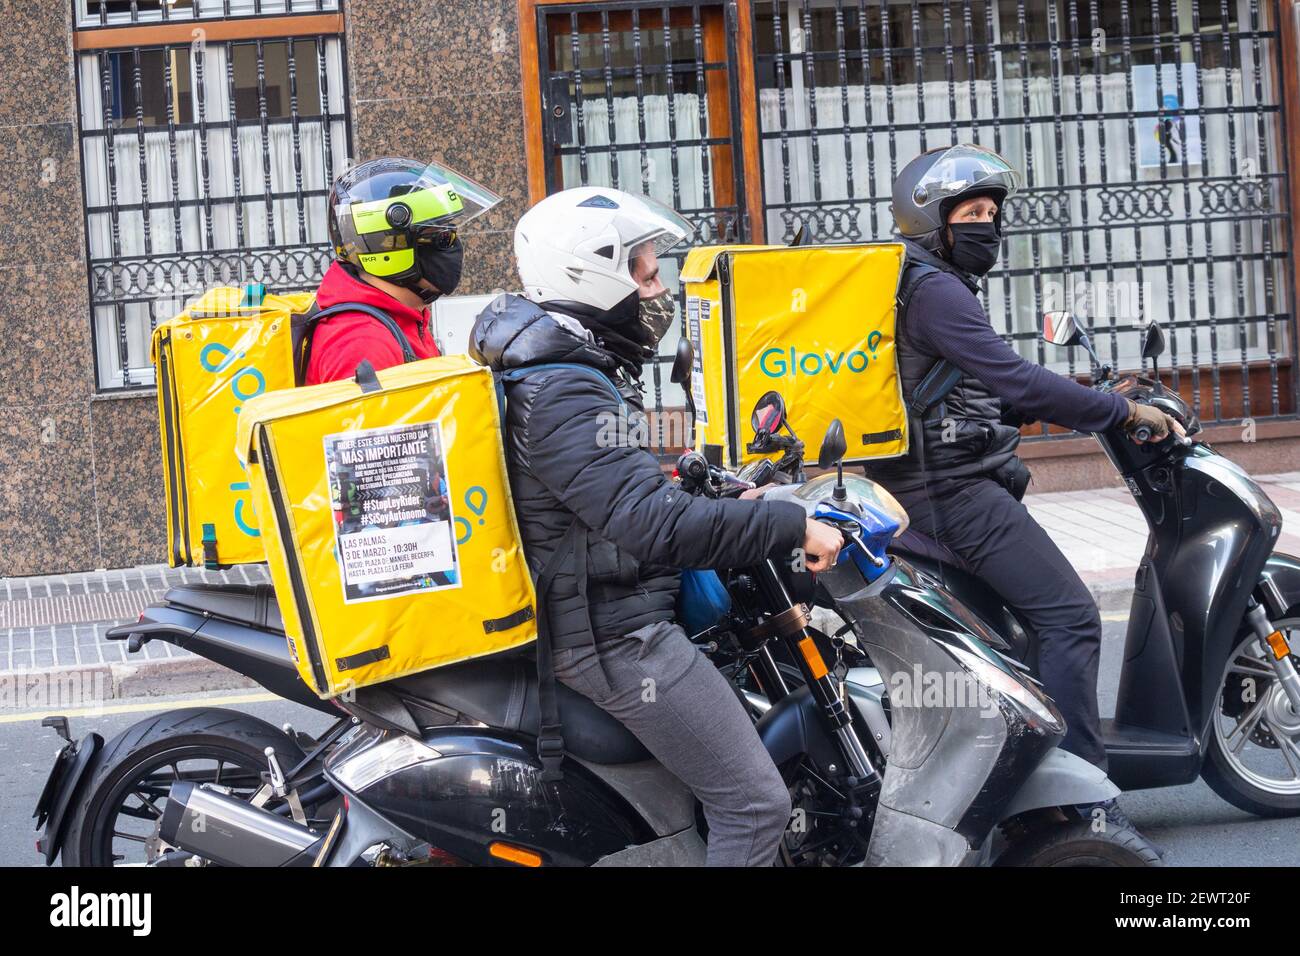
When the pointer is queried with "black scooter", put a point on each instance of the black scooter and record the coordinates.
(1209, 684)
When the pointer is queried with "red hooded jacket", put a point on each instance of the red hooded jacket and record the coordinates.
(340, 342)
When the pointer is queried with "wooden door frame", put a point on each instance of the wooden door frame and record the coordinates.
(746, 151)
(1289, 68)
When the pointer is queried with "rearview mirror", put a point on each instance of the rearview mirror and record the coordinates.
(769, 413)
(833, 445)
(683, 361)
(802, 237)
(1060, 328)
(1153, 341)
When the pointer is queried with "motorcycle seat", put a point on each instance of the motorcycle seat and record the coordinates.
(251, 604)
(497, 691)
(502, 692)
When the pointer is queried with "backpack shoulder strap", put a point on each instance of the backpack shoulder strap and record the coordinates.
(519, 374)
(304, 328)
(943, 375)
(914, 273)
(550, 734)
(550, 737)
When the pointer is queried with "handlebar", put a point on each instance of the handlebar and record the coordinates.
(696, 473)
(851, 537)
(1143, 433)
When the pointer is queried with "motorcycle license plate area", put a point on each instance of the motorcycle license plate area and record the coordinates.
(209, 360)
(815, 323)
(388, 523)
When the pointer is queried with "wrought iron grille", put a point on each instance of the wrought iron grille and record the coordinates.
(1150, 135)
(204, 164)
(111, 13)
(642, 97)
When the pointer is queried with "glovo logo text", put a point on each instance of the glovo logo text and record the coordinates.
(783, 363)
(248, 382)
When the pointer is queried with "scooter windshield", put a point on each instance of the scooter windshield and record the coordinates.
(859, 490)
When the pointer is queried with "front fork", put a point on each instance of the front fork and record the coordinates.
(791, 625)
(1276, 649)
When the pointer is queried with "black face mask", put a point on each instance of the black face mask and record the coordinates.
(975, 246)
(442, 267)
(619, 331)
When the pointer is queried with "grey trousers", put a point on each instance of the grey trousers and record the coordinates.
(662, 688)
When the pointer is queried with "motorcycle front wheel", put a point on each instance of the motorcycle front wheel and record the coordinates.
(116, 821)
(1077, 843)
(1253, 760)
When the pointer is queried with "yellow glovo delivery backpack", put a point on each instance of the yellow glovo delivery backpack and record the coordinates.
(387, 521)
(814, 323)
(227, 347)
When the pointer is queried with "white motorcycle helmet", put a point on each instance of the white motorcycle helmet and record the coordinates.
(575, 250)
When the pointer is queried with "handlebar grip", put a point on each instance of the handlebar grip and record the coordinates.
(1142, 433)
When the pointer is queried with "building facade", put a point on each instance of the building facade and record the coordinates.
(159, 147)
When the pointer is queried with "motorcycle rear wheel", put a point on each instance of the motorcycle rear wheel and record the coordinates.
(1075, 843)
(129, 788)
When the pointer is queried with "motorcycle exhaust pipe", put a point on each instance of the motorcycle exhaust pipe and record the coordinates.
(231, 832)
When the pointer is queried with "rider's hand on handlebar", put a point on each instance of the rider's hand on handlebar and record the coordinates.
(753, 494)
(1153, 418)
(821, 545)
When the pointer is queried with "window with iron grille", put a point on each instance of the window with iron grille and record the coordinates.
(1150, 134)
(641, 97)
(111, 13)
(205, 163)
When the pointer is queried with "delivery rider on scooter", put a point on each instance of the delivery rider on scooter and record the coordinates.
(963, 488)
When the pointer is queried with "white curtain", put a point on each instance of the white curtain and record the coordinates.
(175, 283)
(1138, 236)
(658, 163)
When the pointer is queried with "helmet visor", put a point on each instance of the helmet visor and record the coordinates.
(434, 197)
(462, 198)
(960, 169)
(651, 221)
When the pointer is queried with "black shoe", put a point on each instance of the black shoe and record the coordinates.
(1115, 817)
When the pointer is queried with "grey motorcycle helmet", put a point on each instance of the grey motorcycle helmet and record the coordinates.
(930, 185)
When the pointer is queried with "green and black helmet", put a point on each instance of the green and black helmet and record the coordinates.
(397, 219)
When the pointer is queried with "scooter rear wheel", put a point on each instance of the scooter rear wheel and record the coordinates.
(1253, 759)
(1077, 844)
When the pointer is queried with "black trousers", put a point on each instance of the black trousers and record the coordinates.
(1000, 542)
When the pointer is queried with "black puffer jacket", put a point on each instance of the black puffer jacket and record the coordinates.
(561, 464)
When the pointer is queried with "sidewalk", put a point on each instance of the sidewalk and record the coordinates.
(53, 653)
(1103, 534)
(54, 656)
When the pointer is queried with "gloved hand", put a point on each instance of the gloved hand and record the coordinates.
(1159, 423)
(1013, 417)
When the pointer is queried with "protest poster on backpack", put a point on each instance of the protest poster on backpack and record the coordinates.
(394, 526)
